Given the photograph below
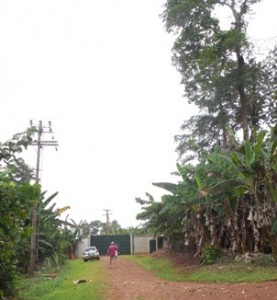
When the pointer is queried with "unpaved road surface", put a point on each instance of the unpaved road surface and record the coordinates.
(131, 282)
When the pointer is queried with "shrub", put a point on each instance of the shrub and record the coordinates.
(210, 254)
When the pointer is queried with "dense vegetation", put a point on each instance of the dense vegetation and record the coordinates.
(18, 196)
(227, 193)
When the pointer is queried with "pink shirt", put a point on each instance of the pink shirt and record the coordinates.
(112, 249)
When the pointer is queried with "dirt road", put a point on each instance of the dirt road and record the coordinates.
(131, 282)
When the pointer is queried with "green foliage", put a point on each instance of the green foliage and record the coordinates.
(227, 199)
(61, 287)
(14, 167)
(18, 196)
(52, 234)
(51, 264)
(16, 202)
(8, 276)
(55, 238)
(219, 73)
(210, 254)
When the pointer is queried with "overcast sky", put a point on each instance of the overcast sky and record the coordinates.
(101, 72)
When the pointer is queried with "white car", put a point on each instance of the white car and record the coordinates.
(91, 253)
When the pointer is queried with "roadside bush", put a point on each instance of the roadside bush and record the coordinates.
(210, 254)
(16, 203)
(8, 276)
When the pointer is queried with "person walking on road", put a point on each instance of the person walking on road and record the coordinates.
(112, 252)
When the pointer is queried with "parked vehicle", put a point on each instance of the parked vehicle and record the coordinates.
(91, 253)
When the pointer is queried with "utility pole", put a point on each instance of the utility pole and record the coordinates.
(108, 223)
(40, 143)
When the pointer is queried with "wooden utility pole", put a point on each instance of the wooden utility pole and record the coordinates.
(108, 223)
(40, 143)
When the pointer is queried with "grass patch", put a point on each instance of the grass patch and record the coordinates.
(236, 272)
(220, 273)
(62, 286)
(162, 268)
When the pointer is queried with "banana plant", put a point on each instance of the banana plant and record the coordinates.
(51, 235)
(228, 199)
(247, 178)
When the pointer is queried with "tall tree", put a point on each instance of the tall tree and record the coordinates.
(219, 72)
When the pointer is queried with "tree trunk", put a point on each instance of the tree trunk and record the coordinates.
(242, 96)
(240, 83)
(33, 249)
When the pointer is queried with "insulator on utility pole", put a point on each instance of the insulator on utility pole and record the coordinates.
(40, 143)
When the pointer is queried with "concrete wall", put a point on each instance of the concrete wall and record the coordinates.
(141, 244)
(81, 246)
